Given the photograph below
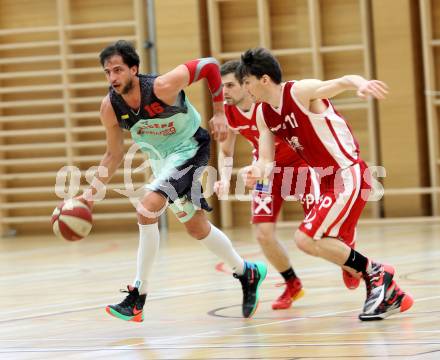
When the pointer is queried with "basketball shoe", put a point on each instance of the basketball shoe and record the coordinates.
(395, 301)
(130, 309)
(292, 292)
(253, 276)
(377, 282)
(351, 282)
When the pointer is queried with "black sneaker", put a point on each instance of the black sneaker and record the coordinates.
(130, 309)
(395, 301)
(253, 276)
(377, 281)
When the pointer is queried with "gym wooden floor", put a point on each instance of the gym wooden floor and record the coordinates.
(53, 295)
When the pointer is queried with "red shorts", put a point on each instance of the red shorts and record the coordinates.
(289, 181)
(343, 197)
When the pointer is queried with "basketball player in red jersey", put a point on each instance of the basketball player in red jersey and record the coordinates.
(240, 112)
(300, 113)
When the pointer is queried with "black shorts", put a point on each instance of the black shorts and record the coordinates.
(184, 181)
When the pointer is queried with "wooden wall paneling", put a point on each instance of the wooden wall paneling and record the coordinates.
(373, 135)
(315, 38)
(290, 30)
(340, 42)
(30, 103)
(63, 18)
(239, 26)
(3, 199)
(431, 86)
(264, 23)
(399, 120)
(214, 28)
(3, 211)
(52, 85)
(346, 49)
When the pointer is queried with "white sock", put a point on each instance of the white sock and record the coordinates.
(149, 239)
(218, 243)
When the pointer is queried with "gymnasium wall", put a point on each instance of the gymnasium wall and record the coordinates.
(51, 85)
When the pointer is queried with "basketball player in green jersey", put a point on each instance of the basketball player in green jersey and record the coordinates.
(166, 126)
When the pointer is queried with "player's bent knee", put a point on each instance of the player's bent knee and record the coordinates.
(265, 238)
(147, 214)
(150, 208)
(305, 243)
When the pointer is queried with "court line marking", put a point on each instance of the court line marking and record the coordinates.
(219, 332)
(208, 287)
(163, 294)
(234, 335)
(226, 346)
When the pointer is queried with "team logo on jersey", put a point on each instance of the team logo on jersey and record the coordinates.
(324, 203)
(294, 142)
(262, 204)
(164, 129)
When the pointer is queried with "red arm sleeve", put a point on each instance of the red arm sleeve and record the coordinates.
(209, 69)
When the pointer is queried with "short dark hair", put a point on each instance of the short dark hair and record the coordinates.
(123, 48)
(259, 62)
(229, 67)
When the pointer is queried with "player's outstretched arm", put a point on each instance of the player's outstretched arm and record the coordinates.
(311, 89)
(168, 86)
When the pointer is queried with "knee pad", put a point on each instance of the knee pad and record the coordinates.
(183, 208)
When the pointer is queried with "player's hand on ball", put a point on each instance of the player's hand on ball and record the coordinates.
(72, 220)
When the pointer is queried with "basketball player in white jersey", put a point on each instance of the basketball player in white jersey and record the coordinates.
(301, 114)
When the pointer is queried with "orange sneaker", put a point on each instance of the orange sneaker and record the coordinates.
(130, 309)
(350, 281)
(292, 292)
(395, 301)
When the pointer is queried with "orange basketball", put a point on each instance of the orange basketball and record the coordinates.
(72, 220)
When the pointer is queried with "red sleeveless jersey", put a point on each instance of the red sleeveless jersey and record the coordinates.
(322, 140)
(246, 124)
